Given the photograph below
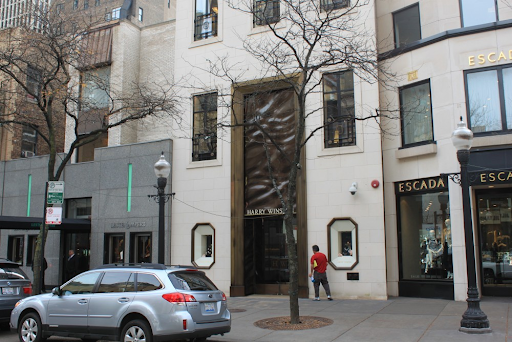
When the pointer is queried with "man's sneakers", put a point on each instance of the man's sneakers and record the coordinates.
(316, 299)
(329, 297)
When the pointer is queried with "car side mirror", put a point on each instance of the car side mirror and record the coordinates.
(56, 291)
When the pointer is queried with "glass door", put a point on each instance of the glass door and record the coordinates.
(495, 228)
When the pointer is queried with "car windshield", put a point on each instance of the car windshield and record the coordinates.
(11, 272)
(191, 281)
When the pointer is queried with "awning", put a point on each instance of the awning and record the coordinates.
(21, 222)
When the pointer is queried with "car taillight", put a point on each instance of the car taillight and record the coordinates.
(224, 297)
(177, 297)
(184, 324)
(27, 289)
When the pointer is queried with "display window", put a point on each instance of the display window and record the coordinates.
(342, 239)
(425, 239)
(203, 245)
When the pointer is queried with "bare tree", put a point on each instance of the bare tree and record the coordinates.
(300, 40)
(56, 81)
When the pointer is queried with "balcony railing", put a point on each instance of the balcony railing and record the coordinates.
(205, 26)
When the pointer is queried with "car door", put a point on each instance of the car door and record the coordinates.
(68, 311)
(114, 295)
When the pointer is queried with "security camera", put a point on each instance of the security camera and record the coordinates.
(353, 188)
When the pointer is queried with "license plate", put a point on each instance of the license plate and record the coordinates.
(209, 307)
(8, 290)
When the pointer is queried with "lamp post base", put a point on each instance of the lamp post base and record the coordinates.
(474, 320)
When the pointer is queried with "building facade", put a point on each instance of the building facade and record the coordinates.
(454, 60)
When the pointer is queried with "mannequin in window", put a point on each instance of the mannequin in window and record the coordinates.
(434, 250)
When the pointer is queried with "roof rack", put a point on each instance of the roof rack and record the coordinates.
(144, 265)
(134, 265)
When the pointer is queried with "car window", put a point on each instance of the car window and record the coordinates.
(81, 284)
(117, 282)
(147, 282)
(194, 281)
(11, 272)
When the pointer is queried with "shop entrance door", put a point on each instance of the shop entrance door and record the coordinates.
(495, 228)
(80, 243)
(266, 261)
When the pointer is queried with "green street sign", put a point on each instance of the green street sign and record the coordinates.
(55, 193)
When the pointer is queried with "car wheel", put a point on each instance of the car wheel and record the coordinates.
(30, 328)
(136, 330)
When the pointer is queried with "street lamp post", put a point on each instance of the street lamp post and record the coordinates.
(474, 320)
(162, 170)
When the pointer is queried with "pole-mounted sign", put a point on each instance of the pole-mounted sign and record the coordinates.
(55, 193)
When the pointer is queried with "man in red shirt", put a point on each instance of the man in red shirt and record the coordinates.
(318, 268)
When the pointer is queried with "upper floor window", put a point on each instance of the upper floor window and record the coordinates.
(59, 8)
(116, 13)
(205, 127)
(97, 3)
(329, 5)
(79, 208)
(34, 77)
(75, 4)
(266, 12)
(28, 142)
(86, 4)
(339, 109)
(406, 24)
(488, 99)
(476, 12)
(141, 14)
(416, 114)
(95, 88)
(206, 19)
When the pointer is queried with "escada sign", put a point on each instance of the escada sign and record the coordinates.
(491, 178)
(492, 57)
(420, 185)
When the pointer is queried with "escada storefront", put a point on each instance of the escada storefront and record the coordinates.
(490, 174)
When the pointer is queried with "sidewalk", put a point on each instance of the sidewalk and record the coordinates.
(396, 320)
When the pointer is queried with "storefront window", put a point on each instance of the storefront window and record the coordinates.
(425, 233)
(15, 249)
(114, 248)
(203, 237)
(141, 247)
(342, 238)
(495, 222)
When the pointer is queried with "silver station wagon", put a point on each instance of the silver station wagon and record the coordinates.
(127, 302)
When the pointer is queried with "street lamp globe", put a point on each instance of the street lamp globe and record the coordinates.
(162, 167)
(462, 137)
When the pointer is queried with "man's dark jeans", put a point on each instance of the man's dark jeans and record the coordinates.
(321, 278)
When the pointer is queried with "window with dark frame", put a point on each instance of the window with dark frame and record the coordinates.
(339, 109)
(407, 26)
(86, 4)
(15, 248)
(114, 248)
(75, 4)
(34, 78)
(329, 5)
(141, 247)
(425, 239)
(116, 13)
(477, 12)
(488, 100)
(206, 19)
(204, 140)
(28, 142)
(97, 3)
(266, 12)
(416, 114)
(141, 14)
(59, 8)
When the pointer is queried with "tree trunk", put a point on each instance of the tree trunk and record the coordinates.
(38, 263)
